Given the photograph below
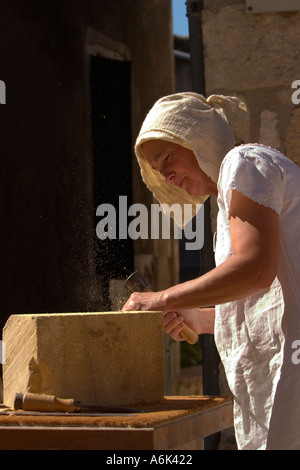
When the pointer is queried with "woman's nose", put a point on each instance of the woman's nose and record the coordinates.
(169, 176)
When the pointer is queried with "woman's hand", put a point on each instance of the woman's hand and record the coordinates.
(200, 320)
(173, 324)
(150, 301)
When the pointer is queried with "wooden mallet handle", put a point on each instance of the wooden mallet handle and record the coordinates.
(189, 335)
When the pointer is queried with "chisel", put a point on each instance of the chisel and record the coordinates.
(50, 403)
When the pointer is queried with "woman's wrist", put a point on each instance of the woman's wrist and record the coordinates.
(166, 300)
(207, 320)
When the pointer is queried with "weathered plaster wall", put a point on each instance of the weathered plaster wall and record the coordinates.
(255, 56)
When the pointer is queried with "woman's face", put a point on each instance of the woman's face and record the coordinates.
(178, 165)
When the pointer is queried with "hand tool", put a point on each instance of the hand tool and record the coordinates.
(137, 282)
(41, 402)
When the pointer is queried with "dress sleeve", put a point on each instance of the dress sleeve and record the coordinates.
(251, 171)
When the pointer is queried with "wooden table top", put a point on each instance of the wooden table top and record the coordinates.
(149, 415)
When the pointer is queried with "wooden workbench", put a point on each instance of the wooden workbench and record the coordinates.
(176, 423)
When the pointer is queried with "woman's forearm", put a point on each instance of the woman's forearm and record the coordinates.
(235, 278)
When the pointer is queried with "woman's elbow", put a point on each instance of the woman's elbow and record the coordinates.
(265, 276)
(258, 273)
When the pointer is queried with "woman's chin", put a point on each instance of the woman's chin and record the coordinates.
(192, 191)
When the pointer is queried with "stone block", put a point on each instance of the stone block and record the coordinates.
(109, 358)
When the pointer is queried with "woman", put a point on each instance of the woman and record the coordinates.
(187, 150)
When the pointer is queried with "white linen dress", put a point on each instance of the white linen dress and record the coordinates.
(258, 337)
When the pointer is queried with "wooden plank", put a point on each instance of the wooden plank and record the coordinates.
(217, 419)
(56, 438)
(189, 432)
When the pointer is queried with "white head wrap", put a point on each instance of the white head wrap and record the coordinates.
(208, 127)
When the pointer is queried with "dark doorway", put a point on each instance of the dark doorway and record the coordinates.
(112, 152)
